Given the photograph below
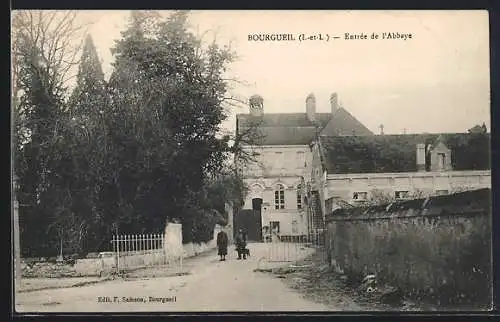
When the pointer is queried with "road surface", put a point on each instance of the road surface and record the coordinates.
(212, 286)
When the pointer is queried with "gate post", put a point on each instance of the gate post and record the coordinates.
(117, 254)
(16, 233)
(164, 249)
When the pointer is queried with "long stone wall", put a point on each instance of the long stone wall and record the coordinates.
(172, 251)
(436, 249)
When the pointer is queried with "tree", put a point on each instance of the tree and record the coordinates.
(125, 155)
(89, 110)
(90, 91)
(169, 91)
(49, 39)
(457, 189)
(478, 129)
(227, 187)
(381, 197)
(43, 55)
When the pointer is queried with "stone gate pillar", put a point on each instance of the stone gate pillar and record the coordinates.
(229, 229)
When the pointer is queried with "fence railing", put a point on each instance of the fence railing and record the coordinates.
(137, 242)
(294, 248)
(134, 251)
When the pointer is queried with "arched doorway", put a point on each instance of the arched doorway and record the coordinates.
(250, 220)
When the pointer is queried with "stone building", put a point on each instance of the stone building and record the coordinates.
(308, 163)
(276, 181)
(385, 168)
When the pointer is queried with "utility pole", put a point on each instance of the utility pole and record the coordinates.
(16, 238)
(15, 204)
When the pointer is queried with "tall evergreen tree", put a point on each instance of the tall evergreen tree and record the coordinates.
(89, 109)
(90, 90)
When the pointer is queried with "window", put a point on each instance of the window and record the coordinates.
(278, 160)
(359, 196)
(441, 160)
(275, 226)
(401, 194)
(301, 161)
(441, 192)
(279, 197)
(299, 197)
(295, 227)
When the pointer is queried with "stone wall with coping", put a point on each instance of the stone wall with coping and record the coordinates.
(172, 251)
(438, 249)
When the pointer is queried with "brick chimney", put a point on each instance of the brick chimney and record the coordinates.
(334, 102)
(256, 103)
(311, 107)
(421, 157)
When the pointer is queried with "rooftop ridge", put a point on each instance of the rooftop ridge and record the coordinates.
(405, 135)
(398, 153)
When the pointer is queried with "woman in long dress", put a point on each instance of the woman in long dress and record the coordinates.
(222, 245)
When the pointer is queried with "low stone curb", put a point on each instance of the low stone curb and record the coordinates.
(80, 284)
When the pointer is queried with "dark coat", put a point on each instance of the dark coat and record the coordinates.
(222, 242)
(241, 240)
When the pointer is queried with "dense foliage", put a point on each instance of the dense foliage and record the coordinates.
(128, 154)
(397, 153)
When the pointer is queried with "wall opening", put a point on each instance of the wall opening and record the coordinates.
(250, 220)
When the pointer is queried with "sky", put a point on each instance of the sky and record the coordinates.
(437, 81)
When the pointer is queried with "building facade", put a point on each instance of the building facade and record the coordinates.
(385, 168)
(282, 163)
(306, 164)
(276, 180)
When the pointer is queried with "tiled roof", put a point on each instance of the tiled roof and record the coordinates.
(282, 128)
(297, 129)
(397, 153)
(343, 123)
(281, 135)
(282, 119)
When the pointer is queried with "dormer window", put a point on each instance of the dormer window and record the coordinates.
(360, 196)
(439, 158)
(401, 195)
(441, 161)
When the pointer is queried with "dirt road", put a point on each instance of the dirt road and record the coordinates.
(212, 286)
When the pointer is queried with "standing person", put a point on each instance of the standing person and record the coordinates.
(222, 241)
(241, 244)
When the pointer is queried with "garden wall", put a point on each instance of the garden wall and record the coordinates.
(437, 249)
(173, 250)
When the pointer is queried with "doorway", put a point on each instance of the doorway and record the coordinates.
(250, 220)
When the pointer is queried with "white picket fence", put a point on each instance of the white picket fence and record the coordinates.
(293, 248)
(138, 242)
(136, 251)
